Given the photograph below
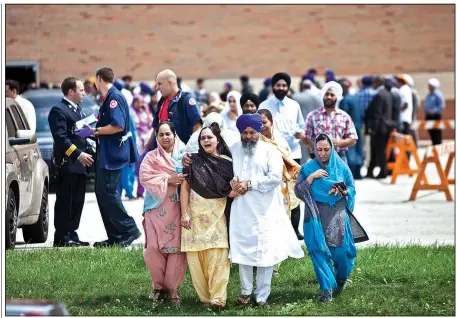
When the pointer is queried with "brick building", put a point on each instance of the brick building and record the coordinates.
(224, 41)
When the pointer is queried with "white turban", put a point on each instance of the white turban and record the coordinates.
(434, 82)
(409, 80)
(335, 88)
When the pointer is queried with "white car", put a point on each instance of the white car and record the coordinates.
(27, 181)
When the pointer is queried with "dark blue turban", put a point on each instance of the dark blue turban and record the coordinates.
(145, 88)
(249, 120)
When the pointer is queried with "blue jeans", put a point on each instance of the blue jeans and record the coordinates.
(127, 181)
(343, 156)
(118, 224)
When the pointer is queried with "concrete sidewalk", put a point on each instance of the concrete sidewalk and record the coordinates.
(382, 209)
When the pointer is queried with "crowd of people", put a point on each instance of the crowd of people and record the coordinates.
(222, 181)
(395, 108)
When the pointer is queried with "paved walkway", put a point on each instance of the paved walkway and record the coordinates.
(383, 210)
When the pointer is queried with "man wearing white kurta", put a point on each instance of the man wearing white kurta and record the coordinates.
(289, 122)
(260, 232)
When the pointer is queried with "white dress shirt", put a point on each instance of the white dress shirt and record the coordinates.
(407, 97)
(287, 119)
(29, 111)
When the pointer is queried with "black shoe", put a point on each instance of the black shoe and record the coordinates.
(340, 287)
(75, 238)
(381, 176)
(325, 296)
(369, 175)
(66, 243)
(128, 241)
(104, 244)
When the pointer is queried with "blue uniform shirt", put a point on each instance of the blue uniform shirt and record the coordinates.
(184, 120)
(115, 151)
(434, 102)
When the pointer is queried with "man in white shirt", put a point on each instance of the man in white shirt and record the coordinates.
(406, 107)
(12, 91)
(288, 120)
(260, 231)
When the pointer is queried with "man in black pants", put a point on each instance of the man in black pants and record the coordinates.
(434, 106)
(380, 123)
(70, 160)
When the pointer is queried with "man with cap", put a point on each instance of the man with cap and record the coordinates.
(227, 89)
(249, 103)
(260, 233)
(331, 120)
(434, 106)
(115, 150)
(406, 110)
(289, 122)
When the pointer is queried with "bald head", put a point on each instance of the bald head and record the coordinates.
(167, 75)
(167, 83)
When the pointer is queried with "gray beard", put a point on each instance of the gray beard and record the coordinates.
(249, 149)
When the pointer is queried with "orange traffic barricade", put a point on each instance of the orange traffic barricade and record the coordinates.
(432, 155)
(401, 166)
(433, 124)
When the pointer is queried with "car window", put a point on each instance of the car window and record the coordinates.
(44, 103)
(10, 124)
(24, 118)
(17, 118)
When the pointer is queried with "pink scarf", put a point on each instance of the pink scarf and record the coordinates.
(155, 171)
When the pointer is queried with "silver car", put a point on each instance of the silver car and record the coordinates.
(27, 181)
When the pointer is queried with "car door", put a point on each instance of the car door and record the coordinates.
(27, 155)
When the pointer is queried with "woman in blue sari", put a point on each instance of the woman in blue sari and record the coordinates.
(326, 185)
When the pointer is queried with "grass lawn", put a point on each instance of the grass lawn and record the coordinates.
(386, 281)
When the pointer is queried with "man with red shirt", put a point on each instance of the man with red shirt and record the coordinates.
(176, 106)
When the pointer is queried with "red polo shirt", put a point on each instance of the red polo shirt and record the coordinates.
(163, 114)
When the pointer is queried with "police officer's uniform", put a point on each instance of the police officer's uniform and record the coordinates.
(71, 188)
(183, 112)
(113, 153)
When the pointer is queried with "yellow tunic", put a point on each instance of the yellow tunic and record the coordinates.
(208, 224)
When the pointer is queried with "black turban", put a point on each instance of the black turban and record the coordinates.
(249, 96)
(280, 76)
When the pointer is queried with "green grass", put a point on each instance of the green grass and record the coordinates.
(386, 281)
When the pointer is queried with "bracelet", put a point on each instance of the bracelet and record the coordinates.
(186, 215)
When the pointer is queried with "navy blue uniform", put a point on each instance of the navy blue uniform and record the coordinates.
(183, 112)
(71, 190)
(113, 153)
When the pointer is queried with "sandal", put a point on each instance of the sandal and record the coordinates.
(217, 305)
(176, 302)
(156, 295)
(244, 299)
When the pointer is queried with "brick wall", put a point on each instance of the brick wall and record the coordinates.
(223, 41)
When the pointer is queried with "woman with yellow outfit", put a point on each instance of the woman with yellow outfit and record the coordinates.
(204, 206)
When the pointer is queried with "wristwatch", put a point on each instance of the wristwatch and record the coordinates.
(249, 186)
(96, 132)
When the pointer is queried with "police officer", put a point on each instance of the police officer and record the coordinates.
(70, 160)
(176, 106)
(115, 150)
